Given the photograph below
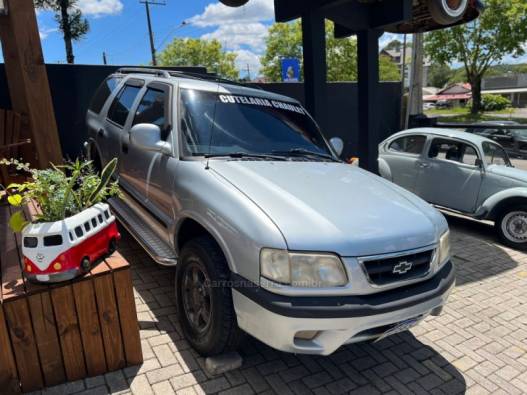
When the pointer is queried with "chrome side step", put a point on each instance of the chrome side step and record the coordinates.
(158, 249)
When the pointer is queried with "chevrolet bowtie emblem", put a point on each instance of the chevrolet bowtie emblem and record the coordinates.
(402, 267)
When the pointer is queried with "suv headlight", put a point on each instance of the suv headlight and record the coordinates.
(444, 248)
(302, 269)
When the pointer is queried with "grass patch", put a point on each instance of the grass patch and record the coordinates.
(463, 115)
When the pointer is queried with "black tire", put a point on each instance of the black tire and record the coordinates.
(446, 13)
(213, 329)
(511, 226)
(85, 264)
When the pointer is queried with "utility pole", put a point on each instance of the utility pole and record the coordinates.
(150, 32)
(415, 94)
(248, 73)
(104, 60)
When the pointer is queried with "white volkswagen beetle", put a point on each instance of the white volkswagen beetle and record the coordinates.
(461, 172)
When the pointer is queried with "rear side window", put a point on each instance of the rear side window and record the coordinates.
(78, 231)
(408, 144)
(102, 94)
(122, 104)
(50, 241)
(152, 108)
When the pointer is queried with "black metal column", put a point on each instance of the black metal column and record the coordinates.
(314, 47)
(368, 83)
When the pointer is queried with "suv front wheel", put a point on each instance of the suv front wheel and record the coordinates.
(204, 298)
(511, 226)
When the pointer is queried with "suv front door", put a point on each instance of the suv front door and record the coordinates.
(145, 171)
(450, 175)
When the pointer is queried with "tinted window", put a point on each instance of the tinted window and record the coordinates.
(50, 241)
(87, 226)
(408, 144)
(223, 124)
(78, 231)
(453, 150)
(71, 236)
(151, 109)
(495, 155)
(94, 222)
(122, 104)
(100, 218)
(102, 94)
(107, 214)
(30, 242)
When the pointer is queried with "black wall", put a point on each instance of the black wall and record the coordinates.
(72, 87)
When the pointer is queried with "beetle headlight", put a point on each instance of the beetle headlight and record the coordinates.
(302, 269)
(444, 248)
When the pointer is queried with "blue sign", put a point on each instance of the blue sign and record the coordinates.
(290, 70)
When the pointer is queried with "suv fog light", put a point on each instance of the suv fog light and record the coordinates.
(306, 335)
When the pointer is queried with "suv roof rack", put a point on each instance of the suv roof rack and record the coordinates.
(175, 73)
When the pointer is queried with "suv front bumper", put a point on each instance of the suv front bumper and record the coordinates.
(276, 319)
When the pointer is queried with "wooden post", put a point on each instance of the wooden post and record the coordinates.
(28, 80)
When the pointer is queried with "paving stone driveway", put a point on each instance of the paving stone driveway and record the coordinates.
(478, 345)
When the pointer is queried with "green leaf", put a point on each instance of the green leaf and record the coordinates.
(15, 200)
(106, 175)
(17, 222)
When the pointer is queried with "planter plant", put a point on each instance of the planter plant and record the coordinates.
(74, 227)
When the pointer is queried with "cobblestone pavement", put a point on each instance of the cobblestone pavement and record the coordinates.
(478, 345)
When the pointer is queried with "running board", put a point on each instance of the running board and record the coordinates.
(158, 249)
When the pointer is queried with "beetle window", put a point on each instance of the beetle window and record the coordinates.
(78, 231)
(87, 226)
(51, 241)
(30, 242)
(452, 150)
(408, 144)
(94, 222)
(100, 218)
(495, 155)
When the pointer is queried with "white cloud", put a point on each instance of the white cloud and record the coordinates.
(100, 7)
(244, 58)
(44, 33)
(237, 35)
(217, 14)
(242, 30)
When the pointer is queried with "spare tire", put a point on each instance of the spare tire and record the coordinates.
(234, 3)
(447, 12)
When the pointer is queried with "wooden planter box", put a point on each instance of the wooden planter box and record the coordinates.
(50, 334)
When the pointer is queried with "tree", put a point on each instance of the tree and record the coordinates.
(71, 23)
(395, 45)
(439, 75)
(501, 30)
(285, 41)
(199, 52)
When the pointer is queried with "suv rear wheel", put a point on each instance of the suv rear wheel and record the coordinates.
(511, 226)
(204, 300)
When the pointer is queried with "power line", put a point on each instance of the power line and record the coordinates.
(149, 22)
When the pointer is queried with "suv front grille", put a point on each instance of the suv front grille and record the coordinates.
(383, 271)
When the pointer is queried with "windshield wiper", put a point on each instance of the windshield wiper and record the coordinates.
(305, 152)
(245, 155)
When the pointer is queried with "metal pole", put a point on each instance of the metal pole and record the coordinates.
(150, 33)
(104, 60)
(403, 82)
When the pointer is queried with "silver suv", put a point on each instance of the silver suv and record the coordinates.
(270, 233)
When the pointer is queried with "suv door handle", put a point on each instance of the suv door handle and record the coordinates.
(423, 165)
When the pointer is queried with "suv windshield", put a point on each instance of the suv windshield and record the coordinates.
(224, 124)
(495, 155)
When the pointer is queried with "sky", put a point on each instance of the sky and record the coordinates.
(118, 27)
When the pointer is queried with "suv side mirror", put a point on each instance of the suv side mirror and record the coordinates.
(147, 136)
(337, 144)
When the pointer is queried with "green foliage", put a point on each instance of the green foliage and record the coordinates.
(199, 52)
(500, 31)
(69, 18)
(495, 103)
(439, 75)
(285, 41)
(61, 191)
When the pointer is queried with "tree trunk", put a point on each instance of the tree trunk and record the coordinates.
(475, 81)
(66, 30)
